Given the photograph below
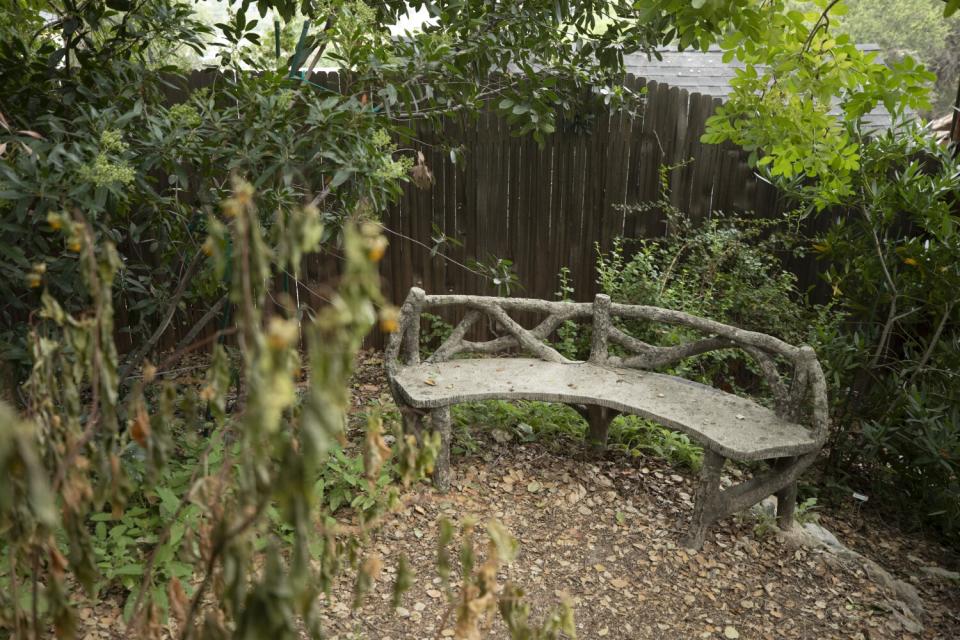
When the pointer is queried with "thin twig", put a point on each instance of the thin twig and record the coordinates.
(184, 345)
(426, 246)
(137, 356)
(933, 340)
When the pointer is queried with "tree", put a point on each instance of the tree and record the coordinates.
(891, 253)
(915, 28)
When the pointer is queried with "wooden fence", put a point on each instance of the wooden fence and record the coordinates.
(545, 207)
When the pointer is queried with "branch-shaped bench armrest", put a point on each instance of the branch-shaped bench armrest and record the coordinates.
(404, 344)
(820, 414)
(741, 337)
(807, 386)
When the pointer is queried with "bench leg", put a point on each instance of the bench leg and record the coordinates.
(598, 420)
(704, 506)
(440, 417)
(412, 422)
(786, 497)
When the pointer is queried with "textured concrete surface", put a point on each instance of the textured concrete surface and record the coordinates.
(735, 427)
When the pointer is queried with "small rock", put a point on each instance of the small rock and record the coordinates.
(603, 632)
(767, 507)
(689, 600)
(434, 593)
(419, 606)
(403, 612)
(584, 510)
(730, 632)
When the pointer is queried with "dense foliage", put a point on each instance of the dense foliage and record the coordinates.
(911, 28)
(893, 263)
(890, 254)
(124, 195)
(209, 505)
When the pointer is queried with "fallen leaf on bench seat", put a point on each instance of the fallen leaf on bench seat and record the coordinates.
(740, 417)
(430, 381)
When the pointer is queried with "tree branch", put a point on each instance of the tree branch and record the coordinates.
(137, 356)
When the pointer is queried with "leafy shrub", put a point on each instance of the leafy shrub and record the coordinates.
(343, 482)
(725, 268)
(524, 420)
(433, 331)
(892, 350)
(638, 437)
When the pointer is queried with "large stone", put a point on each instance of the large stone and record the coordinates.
(822, 535)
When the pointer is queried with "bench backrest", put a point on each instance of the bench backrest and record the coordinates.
(804, 397)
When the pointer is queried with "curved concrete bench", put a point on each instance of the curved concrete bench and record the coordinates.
(788, 436)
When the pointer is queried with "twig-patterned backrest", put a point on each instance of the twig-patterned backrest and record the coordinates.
(806, 383)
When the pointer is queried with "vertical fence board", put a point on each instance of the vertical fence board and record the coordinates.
(545, 206)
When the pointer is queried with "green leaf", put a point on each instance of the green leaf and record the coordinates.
(135, 569)
(341, 176)
(169, 503)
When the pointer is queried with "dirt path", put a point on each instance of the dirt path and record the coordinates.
(606, 534)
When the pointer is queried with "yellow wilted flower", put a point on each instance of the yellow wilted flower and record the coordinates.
(140, 426)
(74, 244)
(207, 246)
(55, 221)
(231, 207)
(389, 319)
(34, 280)
(910, 261)
(376, 248)
(243, 192)
(149, 372)
(281, 333)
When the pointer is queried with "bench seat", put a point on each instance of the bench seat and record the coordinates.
(733, 426)
(518, 363)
